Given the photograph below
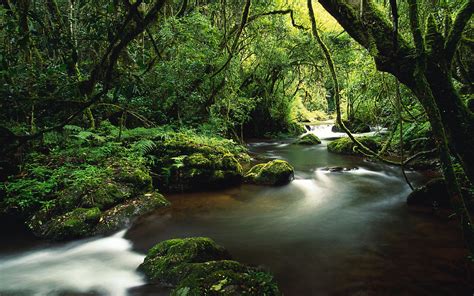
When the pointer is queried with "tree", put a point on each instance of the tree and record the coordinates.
(426, 68)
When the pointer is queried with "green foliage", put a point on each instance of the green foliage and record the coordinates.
(78, 170)
(346, 146)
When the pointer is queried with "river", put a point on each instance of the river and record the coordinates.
(326, 233)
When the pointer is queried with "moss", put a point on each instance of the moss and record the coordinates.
(107, 195)
(354, 126)
(230, 163)
(225, 278)
(275, 172)
(308, 139)
(164, 261)
(255, 170)
(346, 146)
(198, 160)
(186, 165)
(77, 223)
(131, 172)
(296, 128)
(122, 214)
(198, 266)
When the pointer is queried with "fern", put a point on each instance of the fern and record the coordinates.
(90, 137)
(178, 161)
(144, 147)
(72, 129)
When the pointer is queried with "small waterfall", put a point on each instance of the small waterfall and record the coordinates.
(105, 266)
(324, 131)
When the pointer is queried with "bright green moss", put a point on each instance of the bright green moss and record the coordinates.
(308, 139)
(346, 146)
(275, 172)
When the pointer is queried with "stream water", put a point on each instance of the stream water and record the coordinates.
(326, 233)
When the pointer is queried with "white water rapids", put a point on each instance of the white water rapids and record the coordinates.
(106, 266)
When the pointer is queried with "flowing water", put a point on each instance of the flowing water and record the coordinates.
(326, 233)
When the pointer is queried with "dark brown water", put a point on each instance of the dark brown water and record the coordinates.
(325, 233)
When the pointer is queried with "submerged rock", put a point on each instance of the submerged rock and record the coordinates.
(338, 169)
(346, 146)
(434, 193)
(198, 266)
(275, 172)
(308, 139)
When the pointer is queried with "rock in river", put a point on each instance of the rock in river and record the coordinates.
(275, 172)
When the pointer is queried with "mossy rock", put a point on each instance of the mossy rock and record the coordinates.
(104, 195)
(296, 128)
(200, 171)
(354, 126)
(230, 163)
(164, 261)
(346, 146)
(198, 266)
(225, 277)
(308, 139)
(275, 172)
(199, 161)
(84, 222)
(75, 224)
(188, 163)
(107, 195)
(136, 176)
(123, 214)
(435, 194)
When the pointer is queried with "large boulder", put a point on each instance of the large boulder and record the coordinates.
(124, 213)
(198, 266)
(164, 262)
(308, 139)
(346, 146)
(434, 193)
(84, 222)
(275, 172)
(183, 164)
(75, 224)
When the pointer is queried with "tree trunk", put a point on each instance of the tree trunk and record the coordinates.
(403, 61)
(456, 118)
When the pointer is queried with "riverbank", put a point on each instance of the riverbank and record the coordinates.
(330, 233)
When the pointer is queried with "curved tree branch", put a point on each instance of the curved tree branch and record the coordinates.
(415, 26)
(462, 18)
(245, 16)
